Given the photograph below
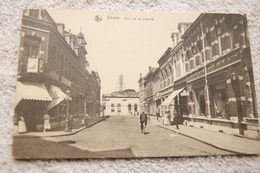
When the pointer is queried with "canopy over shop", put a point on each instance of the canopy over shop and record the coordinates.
(171, 104)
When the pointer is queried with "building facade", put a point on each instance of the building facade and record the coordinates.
(219, 74)
(124, 102)
(53, 73)
(207, 75)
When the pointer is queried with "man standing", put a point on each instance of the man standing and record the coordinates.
(176, 119)
(143, 121)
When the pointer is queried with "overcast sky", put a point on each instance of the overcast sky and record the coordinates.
(122, 42)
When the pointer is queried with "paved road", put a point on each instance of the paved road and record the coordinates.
(122, 133)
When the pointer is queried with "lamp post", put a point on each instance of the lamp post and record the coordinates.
(67, 111)
(236, 89)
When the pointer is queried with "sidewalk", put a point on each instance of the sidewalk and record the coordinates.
(220, 140)
(55, 133)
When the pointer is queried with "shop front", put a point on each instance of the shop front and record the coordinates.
(31, 103)
(60, 106)
(172, 103)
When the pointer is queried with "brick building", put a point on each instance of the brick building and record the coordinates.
(53, 73)
(207, 75)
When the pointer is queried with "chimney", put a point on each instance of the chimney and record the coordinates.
(150, 68)
(175, 38)
(67, 38)
(140, 75)
(60, 27)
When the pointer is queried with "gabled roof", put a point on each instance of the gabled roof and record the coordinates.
(80, 35)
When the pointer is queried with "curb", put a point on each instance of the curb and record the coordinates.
(208, 143)
(67, 134)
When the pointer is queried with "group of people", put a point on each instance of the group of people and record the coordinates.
(22, 124)
(166, 119)
(46, 123)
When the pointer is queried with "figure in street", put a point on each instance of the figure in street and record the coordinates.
(143, 121)
(70, 123)
(21, 125)
(46, 123)
(176, 119)
(166, 118)
(158, 115)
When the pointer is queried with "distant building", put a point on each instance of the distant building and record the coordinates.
(149, 90)
(124, 102)
(53, 71)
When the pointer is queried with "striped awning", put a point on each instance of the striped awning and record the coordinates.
(31, 91)
(169, 99)
(57, 95)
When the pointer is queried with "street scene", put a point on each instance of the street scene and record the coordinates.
(122, 138)
(134, 85)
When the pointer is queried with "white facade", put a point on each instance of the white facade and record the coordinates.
(121, 105)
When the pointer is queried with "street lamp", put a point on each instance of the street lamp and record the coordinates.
(67, 112)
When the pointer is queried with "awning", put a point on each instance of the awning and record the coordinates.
(57, 95)
(31, 91)
(169, 99)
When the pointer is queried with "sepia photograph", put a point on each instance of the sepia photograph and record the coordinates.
(118, 84)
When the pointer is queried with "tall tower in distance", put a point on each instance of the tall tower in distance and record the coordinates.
(120, 84)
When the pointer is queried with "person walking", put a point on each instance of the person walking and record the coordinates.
(46, 123)
(176, 119)
(158, 116)
(143, 121)
(70, 123)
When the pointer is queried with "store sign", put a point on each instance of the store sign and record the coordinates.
(32, 66)
(35, 65)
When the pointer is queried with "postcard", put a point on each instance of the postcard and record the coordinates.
(113, 84)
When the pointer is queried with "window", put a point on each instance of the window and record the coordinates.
(226, 36)
(34, 13)
(31, 46)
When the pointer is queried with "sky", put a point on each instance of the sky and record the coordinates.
(124, 43)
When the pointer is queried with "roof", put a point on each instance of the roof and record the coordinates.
(128, 93)
(164, 55)
(80, 35)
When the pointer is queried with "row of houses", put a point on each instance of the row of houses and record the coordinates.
(53, 75)
(206, 77)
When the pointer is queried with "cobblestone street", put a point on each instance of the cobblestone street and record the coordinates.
(117, 136)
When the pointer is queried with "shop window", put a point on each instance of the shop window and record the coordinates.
(220, 103)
